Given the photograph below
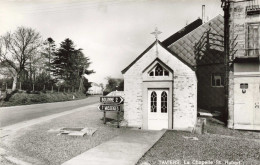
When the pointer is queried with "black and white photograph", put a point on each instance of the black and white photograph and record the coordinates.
(130, 82)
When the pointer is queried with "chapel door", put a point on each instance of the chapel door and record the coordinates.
(158, 101)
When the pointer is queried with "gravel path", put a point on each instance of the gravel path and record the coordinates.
(219, 145)
(173, 146)
(38, 146)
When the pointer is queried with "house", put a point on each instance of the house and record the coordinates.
(202, 47)
(244, 84)
(165, 84)
(95, 89)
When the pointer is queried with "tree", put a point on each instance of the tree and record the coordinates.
(18, 49)
(48, 52)
(62, 59)
(70, 64)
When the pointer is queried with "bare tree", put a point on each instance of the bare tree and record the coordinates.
(17, 50)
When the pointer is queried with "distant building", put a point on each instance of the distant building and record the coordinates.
(95, 89)
(244, 87)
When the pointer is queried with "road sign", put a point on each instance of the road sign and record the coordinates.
(111, 99)
(103, 107)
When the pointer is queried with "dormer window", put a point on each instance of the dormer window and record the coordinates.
(158, 70)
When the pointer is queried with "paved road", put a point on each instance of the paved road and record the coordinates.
(16, 114)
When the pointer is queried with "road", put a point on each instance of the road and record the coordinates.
(16, 114)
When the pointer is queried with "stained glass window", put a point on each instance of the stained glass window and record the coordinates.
(164, 102)
(153, 102)
(159, 71)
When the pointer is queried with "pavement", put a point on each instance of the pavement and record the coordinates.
(125, 149)
(16, 114)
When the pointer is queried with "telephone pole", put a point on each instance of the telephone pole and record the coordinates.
(226, 8)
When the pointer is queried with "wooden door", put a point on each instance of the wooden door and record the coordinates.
(158, 101)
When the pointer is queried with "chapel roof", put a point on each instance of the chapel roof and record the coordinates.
(181, 44)
(150, 47)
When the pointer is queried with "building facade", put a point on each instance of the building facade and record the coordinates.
(160, 91)
(244, 84)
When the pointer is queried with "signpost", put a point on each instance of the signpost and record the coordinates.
(111, 100)
(111, 103)
(104, 107)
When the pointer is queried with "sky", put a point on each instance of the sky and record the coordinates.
(112, 33)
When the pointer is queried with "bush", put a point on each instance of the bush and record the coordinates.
(9, 95)
(24, 98)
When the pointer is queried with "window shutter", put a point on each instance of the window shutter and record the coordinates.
(250, 40)
(253, 39)
(257, 38)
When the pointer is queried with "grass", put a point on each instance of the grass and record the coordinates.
(234, 147)
(22, 98)
(213, 126)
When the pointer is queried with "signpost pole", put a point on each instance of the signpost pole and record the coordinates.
(117, 119)
(104, 117)
(111, 103)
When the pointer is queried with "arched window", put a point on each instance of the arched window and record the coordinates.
(153, 102)
(164, 102)
(159, 71)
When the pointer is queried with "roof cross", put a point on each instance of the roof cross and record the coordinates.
(156, 33)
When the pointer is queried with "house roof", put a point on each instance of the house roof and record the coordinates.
(182, 32)
(94, 84)
(184, 47)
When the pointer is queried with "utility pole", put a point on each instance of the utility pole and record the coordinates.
(226, 8)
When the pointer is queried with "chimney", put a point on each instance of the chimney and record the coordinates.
(203, 13)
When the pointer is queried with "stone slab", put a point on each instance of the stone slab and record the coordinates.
(125, 149)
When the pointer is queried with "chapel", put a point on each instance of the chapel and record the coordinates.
(161, 84)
